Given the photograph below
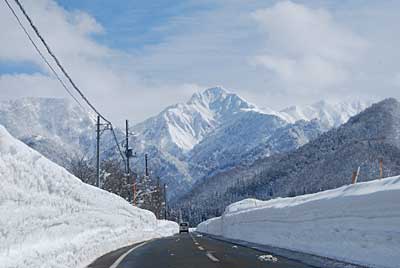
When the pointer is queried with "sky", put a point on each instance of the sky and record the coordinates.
(134, 58)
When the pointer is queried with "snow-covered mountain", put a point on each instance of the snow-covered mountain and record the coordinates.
(170, 136)
(180, 127)
(330, 114)
(56, 127)
(214, 130)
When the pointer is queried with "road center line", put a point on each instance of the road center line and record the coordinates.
(200, 247)
(119, 260)
(212, 257)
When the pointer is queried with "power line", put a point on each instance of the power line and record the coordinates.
(116, 141)
(38, 34)
(42, 56)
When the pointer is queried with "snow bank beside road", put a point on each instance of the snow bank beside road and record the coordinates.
(49, 218)
(357, 223)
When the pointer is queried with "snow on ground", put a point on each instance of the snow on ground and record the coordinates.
(49, 218)
(356, 223)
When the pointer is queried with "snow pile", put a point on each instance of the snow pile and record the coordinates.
(357, 223)
(49, 218)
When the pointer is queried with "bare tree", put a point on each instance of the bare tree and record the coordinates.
(83, 169)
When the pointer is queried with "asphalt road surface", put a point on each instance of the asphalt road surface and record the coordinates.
(192, 251)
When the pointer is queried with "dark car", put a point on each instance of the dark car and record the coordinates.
(184, 227)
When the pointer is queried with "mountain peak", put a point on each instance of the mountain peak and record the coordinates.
(220, 100)
(216, 91)
(209, 95)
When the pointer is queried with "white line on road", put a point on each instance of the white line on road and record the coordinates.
(212, 257)
(200, 247)
(119, 260)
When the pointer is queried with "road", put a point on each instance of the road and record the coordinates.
(192, 251)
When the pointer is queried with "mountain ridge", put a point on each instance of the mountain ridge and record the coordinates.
(182, 141)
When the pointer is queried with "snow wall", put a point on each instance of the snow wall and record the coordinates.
(49, 218)
(356, 223)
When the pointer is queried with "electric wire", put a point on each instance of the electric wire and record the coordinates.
(38, 34)
(42, 56)
(58, 63)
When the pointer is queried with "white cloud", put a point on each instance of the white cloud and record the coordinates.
(305, 47)
(275, 55)
(66, 32)
(23, 85)
(396, 80)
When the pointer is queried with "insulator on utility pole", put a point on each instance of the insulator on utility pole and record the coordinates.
(98, 152)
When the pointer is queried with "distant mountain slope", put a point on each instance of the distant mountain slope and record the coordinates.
(55, 127)
(329, 114)
(324, 163)
(246, 138)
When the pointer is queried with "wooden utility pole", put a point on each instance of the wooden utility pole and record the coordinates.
(165, 201)
(98, 152)
(134, 193)
(146, 165)
(381, 168)
(128, 154)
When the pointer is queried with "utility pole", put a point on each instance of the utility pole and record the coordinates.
(165, 201)
(128, 153)
(146, 167)
(98, 152)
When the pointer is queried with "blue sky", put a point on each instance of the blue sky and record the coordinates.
(145, 55)
(130, 25)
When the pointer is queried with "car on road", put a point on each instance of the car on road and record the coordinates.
(184, 227)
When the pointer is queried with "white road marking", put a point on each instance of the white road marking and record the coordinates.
(119, 260)
(196, 243)
(268, 258)
(212, 257)
(200, 247)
